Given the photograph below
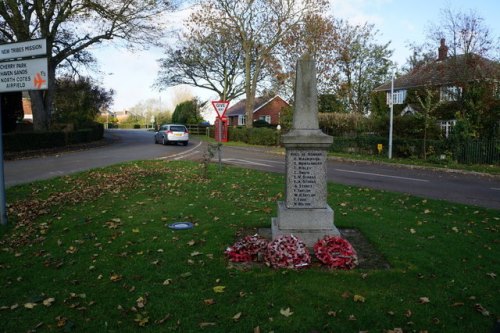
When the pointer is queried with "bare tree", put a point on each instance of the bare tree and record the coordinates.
(71, 27)
(316, 36)
(361, 65)
(205, 60)
(259, 26)
(465, 32)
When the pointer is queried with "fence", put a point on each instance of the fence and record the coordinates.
(478, 152)
(468, 152)
(199, 129)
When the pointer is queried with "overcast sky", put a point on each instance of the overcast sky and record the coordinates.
(131, 75)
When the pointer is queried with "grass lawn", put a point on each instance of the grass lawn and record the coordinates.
(92, 253)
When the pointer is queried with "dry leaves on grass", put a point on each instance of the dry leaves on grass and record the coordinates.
(97, 184)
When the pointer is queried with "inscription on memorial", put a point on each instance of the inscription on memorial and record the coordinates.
(306, 173)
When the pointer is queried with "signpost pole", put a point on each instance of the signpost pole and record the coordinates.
(220, 107)
(219, 146)
(3, 206)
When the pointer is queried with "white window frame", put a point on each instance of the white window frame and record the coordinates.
(266, 118)
(449, 93)
(447, 126)
(398, 97)
(242, 120)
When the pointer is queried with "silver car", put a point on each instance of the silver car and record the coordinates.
(172, 133)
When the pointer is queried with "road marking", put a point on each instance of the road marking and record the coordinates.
(244, 162)
(181, 154)
(495, 188)
(186, 155)
(386, 176)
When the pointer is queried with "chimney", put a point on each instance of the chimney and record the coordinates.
(442, 50)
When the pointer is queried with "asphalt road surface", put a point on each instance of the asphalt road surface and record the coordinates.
(129, 145)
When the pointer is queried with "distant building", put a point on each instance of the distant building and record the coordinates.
(267, 109)
(447, 77)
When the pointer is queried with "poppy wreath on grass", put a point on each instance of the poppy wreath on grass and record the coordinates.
(287, 251)
(336, 252)
(247, 249)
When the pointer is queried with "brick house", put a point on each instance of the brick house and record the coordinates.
(447, 77)
(267, 109)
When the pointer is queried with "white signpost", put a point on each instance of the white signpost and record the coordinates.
(30, 48)
(221, 108)
(30, 74)
(19, 71)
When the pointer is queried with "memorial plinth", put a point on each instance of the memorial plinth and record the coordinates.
(305, 212)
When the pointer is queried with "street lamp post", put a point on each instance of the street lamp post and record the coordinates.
(391, 115)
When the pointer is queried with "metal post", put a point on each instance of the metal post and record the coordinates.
(219, 146)
(3, 207)
(391, 105)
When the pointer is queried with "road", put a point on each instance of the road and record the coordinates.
(129, 145)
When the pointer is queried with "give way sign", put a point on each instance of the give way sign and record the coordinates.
(220, 107)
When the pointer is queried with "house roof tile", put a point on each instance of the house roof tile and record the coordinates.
(445, 72)
(239, 108)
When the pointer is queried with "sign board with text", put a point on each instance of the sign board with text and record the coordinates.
(30, 48)
(20, 75)
(220, 107)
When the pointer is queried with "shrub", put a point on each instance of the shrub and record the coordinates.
(254, 136)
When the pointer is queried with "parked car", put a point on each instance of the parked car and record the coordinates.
(172, 133)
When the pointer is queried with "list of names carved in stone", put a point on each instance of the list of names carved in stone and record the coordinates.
(306, 178)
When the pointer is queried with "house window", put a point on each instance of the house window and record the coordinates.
(242, 120)
(398, 97)
(450, 93)
(447, 126)
(267, 119)
(496, 90)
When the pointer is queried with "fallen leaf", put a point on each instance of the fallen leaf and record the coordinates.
(191, 242)
(29, 305)
(346, 294)
(237, 316)
(359, 299)
(209, 301)
(479, 308)
(219, 289)
(424, 300)
(195, 253)
(187, 274)
(162, 320)
(256, 329)
(413, 231)
(141, 320)
(206, 324)
(352, 317)
(167, 282)
(332, 313)
(115, 277)
(141, 302)
(491, 275)
(286, 312)
(48, 301)
(135, 230)
(457, 304)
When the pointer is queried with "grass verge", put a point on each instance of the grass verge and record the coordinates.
(92, 252)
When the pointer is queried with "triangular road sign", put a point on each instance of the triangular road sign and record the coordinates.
(220, 107)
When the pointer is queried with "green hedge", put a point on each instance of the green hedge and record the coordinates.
(254, 136)
(22, 141)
